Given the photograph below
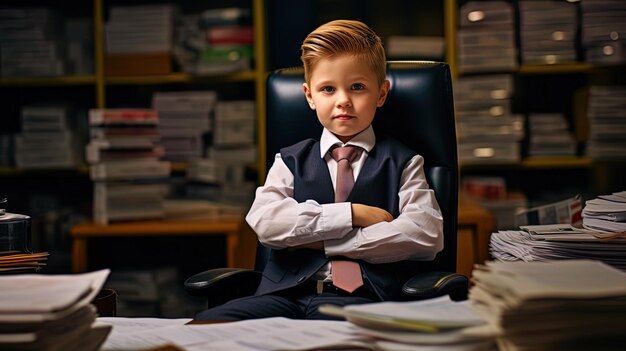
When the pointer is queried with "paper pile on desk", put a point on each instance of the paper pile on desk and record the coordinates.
(438, 323)
(558, 242)
(50, 312)
(560, 305)
(606, 213)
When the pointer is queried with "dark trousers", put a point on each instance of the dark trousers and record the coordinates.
(300, 302)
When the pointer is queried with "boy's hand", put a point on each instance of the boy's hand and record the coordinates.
(364, 216)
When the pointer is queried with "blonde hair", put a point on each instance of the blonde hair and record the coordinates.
(344, 37)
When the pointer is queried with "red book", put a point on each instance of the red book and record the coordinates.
(230, 35)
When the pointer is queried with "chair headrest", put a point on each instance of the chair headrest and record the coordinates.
(418, 111)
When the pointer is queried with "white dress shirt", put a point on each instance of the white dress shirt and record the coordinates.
(281, 222)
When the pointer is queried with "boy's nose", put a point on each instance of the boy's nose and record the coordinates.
(343, 100)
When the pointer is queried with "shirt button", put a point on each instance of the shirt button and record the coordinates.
(301, 279)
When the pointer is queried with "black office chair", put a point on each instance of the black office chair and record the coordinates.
(419, 112)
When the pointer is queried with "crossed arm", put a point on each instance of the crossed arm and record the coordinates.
(350, 229)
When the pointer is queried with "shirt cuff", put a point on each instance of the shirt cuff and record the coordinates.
(337, 220)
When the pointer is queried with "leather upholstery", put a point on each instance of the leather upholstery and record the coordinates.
(418, 111)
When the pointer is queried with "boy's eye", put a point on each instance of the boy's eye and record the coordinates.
(358, 86)
(327, 89)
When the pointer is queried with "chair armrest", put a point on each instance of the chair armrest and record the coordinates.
(223, 284)
(432, 284)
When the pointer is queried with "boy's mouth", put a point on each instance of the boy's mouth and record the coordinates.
(344, 117)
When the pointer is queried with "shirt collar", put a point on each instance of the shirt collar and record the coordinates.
(366, 140)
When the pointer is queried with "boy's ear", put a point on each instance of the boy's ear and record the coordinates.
(307, 94)
(384, 91)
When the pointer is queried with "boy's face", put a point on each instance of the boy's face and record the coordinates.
(345, 93)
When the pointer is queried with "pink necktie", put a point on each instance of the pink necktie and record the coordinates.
(346, 274)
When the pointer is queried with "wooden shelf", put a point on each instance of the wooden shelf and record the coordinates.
(7, 171)
(48, 81)
(565, 68)
(244, 76)
(561, 162)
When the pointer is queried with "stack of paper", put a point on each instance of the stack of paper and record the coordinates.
(561, 305)
(548, 31)
(50, 312)
(606, 213)
(558, 242)
(438, 323)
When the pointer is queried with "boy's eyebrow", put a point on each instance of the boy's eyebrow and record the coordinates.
(332, 82)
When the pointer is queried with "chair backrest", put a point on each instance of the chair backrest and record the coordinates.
(418, 111)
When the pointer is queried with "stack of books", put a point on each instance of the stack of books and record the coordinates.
(185, 119)
(46, 141)
(415, 48)
(130, 179)
(550, 135)
(487, 130)
(50, 312)
(139, 39)
(486, 37)
(216, 41)
(30, 42)
(603, 31)
(229, 39)
(548, 31)
(606, 213)
(607, 122)
(560, 305)
(233, 150)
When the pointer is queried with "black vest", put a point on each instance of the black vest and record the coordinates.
(377, 185)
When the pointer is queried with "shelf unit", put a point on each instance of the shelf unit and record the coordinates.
(97, 90)
(600, 175)
(100, 82)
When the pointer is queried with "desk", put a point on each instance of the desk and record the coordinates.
(81, 233)
(475, 225)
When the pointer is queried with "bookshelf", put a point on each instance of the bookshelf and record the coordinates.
(36, 192)
(578, 173)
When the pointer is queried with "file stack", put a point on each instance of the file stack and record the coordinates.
(548, 31)
(604, 31)
(46, 141)
(50, 312)
(185, 117)
(550, 135)
(558, 242)
(560, 305)
(607, 122)
(486, 37)
(606, 213)
(130, 180)
(433, 324)
(30, 42)
(487, 130)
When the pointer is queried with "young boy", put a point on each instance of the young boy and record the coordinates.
(307, 214)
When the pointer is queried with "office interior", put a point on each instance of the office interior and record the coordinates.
(73, 68)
